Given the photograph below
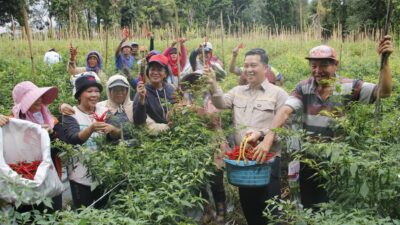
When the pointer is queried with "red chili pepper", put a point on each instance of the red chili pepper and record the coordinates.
(26, 170)
(101, 118)
(249, 153)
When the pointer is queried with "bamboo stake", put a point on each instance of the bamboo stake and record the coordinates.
(106, 55)
(28, 33)
(222, 41)
(384, 58)
(14, 35)
(179, 43)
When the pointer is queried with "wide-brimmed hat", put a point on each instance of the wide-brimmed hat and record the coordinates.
(322, 52)
(84, 82)
(26, 93)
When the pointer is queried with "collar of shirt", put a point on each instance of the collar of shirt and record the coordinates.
(262, 87)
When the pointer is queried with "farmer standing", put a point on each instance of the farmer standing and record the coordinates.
(123, 57)
(272, 74)
(82, 128)
(52, 57)
(173, 57)
(31, 103)
(320, 92)
(254, 105)
(153, 99)
(94, 63)
(203, 57)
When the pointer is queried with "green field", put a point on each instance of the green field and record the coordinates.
(363, 172)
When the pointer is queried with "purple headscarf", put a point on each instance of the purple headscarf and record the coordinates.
(99, 62)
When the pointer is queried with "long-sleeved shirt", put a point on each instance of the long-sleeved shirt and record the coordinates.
(182, 59)
(197, 64)
(253, 110)
(155, 106)
(72, 126)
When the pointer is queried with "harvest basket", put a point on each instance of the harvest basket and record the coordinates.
(247, 173)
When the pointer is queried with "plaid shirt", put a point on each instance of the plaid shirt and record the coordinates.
(317, 113)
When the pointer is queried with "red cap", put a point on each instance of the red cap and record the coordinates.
(160, 59)
(322, 52)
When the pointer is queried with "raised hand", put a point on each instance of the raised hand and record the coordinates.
(125, 33)
(141, 90)
(182, 40)
(73, 52)
(236, 50)
(385, 45)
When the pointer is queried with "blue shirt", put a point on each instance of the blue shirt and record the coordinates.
(122, 60)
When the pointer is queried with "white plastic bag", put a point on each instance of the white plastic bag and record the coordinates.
(22, 140)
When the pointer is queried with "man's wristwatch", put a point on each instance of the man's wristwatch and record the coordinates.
(262, 135)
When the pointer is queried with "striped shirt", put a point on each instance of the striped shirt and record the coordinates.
(318, 113)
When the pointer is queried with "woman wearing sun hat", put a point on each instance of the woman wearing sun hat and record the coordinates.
(80, 129)
(31, 104)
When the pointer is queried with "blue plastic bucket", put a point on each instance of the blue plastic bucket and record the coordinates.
(250, 174)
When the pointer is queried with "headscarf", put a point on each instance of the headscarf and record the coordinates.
(173, 64)
(126, 107)
(99, 62)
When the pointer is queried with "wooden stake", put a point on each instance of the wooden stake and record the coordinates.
(179, 43)
(384, 58)
(13, 28)
(28, 33)
(106, 55)
(222, 41)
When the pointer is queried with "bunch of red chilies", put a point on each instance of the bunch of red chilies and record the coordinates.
(249, 153)
(101, 118)
(25, 169)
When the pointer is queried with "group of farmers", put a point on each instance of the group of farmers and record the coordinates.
(258, 103)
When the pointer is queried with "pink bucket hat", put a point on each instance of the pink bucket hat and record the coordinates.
(26, 93)
(322, 52)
